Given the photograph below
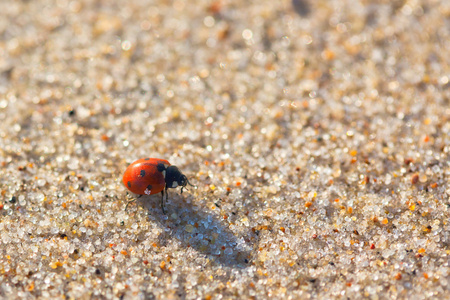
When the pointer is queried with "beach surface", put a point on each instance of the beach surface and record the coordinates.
(317, 134)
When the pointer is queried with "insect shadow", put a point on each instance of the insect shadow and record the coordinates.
(203, 231)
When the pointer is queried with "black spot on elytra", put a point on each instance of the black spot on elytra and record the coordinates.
(142, 174)
(160, 167)
(129, 184)
(149, 187)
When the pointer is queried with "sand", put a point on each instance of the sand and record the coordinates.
(317, 134)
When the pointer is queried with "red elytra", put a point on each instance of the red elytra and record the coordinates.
(143, 177)
(148, 176)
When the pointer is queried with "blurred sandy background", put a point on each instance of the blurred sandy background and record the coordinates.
(317, 133)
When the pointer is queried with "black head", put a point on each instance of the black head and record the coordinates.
(175, 178)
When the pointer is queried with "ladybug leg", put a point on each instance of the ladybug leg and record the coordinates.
(167, 194)
(162, 201)
(126, 206)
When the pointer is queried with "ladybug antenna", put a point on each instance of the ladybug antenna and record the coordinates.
(185, 181)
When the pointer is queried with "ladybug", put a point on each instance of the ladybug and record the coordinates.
(148, 176)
